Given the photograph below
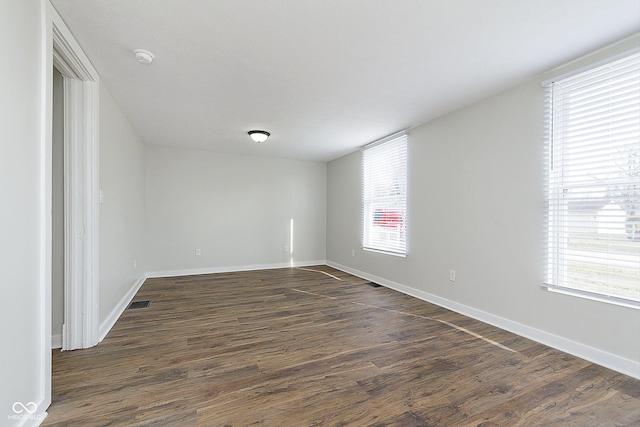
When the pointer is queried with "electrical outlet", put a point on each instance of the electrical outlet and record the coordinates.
(198, 253)
(135, 263)
(353, 252)
(452, 275)
(286, 249)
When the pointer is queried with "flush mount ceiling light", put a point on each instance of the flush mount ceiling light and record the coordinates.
(143, 56)
(259, 135)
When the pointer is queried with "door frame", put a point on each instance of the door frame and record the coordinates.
(81, 145)
(81, 199)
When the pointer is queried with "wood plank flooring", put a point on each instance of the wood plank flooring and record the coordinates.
(293, 347)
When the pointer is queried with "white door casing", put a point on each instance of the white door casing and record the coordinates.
(81, 188)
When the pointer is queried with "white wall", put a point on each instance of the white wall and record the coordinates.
(57, 212)
(122, 181)
(22, 325)
(476, 206)
(236, 209)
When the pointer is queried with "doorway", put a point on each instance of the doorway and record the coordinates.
(80, 89)
(57, 211)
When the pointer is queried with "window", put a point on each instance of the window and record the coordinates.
(593, 182)
(384, 195)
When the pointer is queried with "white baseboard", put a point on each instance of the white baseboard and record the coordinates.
(595, 355)
(231, 269)
(56, 341)
(117, 311)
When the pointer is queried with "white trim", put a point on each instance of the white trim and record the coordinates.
(56, 341)
(81, 93)
(591, 296)
(68, 56)
(378, 251)
(81, 286)
(119, 308)
(388, 138)
(232, 269)
(46, 168)
(600, 357)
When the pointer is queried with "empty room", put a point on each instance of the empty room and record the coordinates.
(320, 213)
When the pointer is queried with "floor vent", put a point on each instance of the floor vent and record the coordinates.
(373, 285)
(139, 304)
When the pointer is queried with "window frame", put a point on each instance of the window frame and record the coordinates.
(553, 253)
(392, 210)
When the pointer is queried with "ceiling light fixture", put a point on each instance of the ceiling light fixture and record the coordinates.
(143, 56)
(259, 135)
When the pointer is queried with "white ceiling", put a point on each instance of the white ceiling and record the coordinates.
(324, 76)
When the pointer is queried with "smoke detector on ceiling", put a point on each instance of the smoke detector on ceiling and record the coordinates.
(143, 56)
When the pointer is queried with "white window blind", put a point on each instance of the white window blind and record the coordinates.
(384, 195)
(593, 182)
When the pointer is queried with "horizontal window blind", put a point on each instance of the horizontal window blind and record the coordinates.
(384, 195)
(593, 181)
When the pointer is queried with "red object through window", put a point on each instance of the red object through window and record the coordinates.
(387, 218)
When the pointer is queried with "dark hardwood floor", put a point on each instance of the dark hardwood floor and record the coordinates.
(293, 347)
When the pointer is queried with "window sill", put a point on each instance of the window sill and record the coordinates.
(396, 254)
(592, 296)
